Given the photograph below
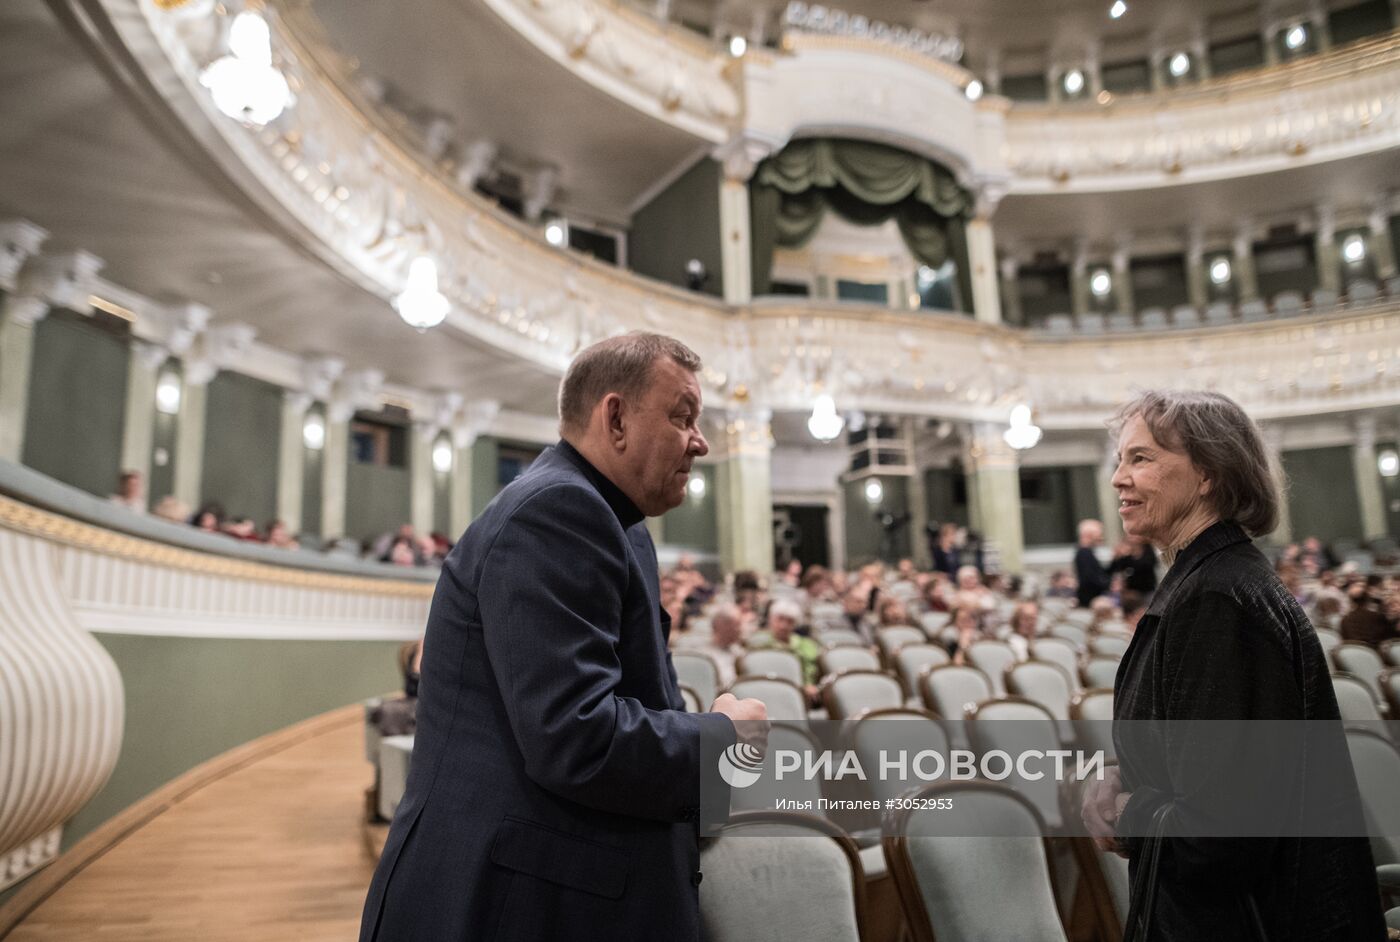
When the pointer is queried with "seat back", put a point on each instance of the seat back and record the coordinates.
(1185, 315)
(1062, 653)
(933, 622)
(913, 659)
(1105, 878)
(1153, 318)
(992, 658)
(807, 884)
(1390, 652)
(1219, 312)
(1015, 725)
(957, 874)
(1361, 661)
(1390, 689)
(894, 637)
(1044, 683)
(782, 737)
(1100, 671)
(1092, 715)
(784, 699)
(1091, 322)
(835, 637)
(1076, 635)
(889, 732)
(950, 689)
(1329, 639)
(848, 658)
(850, 694)
(772, 662)
(1363, 291)
(1109, 645)
(1377, 765)
(699, 672)
(1354, 699)
(692, 700)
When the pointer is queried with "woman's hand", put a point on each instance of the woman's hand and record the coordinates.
(1103, 803)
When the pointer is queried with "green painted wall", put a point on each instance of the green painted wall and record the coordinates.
(680, 223)
(1046, 519)
(77, 403)
(376, 499)
(163, 431)
(484, 487)
(694, 524)
(863, 530)
(1390, 494)
(939, 491)
(311, 482)
(190, 699)
(1084, 496)
(242, 441)
(1322, 499)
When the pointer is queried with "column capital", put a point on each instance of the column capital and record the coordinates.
(987, 196)
(1272, 435)
(472, 421)
(986, 448)
(1326, 216)
(1010, 267)
(297, 401)
(25, 311)
(150, 355)
(65, 280)
(357, 390)
(318, 375)
(741, 155)
(747, 432)
(20, 239)
(1378, 220)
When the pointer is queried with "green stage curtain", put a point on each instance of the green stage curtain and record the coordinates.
(866, 184)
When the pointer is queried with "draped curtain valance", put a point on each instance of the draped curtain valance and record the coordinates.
(865, 183)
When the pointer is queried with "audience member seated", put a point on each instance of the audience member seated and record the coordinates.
(131, 492)
(279, 536)
(209, 518)
(946, 553)
(1061, 586)
(724, 644)
(783, 618)
(1025, 625)
(967, 620)
(1372, 618)
(397, 716)
(172, 508)
(242, 528)
(971, 591)
(1136, 561)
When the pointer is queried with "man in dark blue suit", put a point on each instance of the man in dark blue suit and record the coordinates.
(554, 787)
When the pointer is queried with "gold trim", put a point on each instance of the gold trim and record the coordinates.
(25, 518)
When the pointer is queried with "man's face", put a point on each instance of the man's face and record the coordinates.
(663, 438)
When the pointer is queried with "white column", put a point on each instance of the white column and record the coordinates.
(1368, 481)
(1328, 274)
(1382, 248)
(1273, 448)
(189, 436)
(1011, 291)
(1079, 279)
(1108, 496)
(1242, 267)
(138, 425)
(745, 495)
(1196, 291)
(291, 459)
(982, 258)
(739, 158)
(473, 419)
(16, 358)
(995, 478)
(335, 461)
(918, 499)
(421, 476)
(1123, 278)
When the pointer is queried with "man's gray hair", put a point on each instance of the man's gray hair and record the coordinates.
(1224, 443)
(621, 365)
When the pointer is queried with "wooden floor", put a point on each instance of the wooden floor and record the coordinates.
(272, 848)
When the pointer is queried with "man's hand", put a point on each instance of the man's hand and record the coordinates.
(749, 716)
(1100, 809)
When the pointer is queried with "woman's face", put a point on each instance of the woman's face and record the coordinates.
(1157, 488)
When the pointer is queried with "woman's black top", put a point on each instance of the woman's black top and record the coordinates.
(1224, 640)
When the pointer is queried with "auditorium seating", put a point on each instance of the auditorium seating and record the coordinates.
(1356, 702)
(834, 637)
(692, 700)
(847, 658)
(1390, 688)
(699, 672)
(784, 699)
(934, 622)
(791, 877)
(950, 689)
(1061, 652)
(1091, 712)
(1377, 765)
(771, 662)
(1363, 662)
(1106, 644)
(913, 659)
(891, 730)
(794, 737)
(395, 754)
(1329, 639)
(943, 864)
(854, 692)
(1049, 686)
(890, 639)
(992, 658)
(1390, 652)
(1014, 725)
(1077, 635)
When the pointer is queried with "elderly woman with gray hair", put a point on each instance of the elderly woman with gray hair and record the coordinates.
(1222, 640)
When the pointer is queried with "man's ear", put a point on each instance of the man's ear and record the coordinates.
(615, 418)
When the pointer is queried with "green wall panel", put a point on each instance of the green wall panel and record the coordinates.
(694, 524)
(376, 500)
(940, 496)
(680, 223)
(190, 699)
(1322, 499)
(77, 403)
(863, 530)
(242, 441)
(484, 473)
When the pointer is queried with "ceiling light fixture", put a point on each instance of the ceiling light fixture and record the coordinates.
(1179, 65)
(421, 305)
(442, 456)
(555, 234)
(1022, 434)
(1220, 271)
(313, 432)
(1117, 10)
(973, 90)
(1296, 37)
(1074, 82)
(874, 491)
(1100, 283)
(824, 423)
(738, 45)
(168, 394)
(244, 84)
(1353, 249)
